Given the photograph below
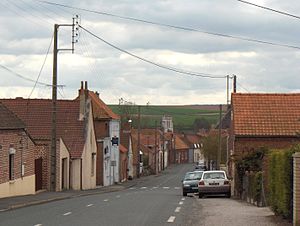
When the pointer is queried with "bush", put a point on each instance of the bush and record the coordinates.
(280, 181)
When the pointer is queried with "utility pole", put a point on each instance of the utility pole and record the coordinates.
(155, 147)
(234, 83)
(220, 139)
(54, 97)
(163, 161)
(139, 143)
(227, 86)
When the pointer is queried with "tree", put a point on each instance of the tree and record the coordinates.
(211, 147)
(201, 123)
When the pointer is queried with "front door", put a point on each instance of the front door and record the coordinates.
(38, 169)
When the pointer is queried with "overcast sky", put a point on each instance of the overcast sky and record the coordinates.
(26, 28)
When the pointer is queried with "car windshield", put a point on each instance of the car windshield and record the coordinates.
(193, 176)
(214, 175)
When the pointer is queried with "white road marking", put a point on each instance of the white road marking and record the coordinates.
(177, 188)
(166, 187)
(171, 219)
(155, 187)
(105, 200)
(131, 188)
(177, 210)
(180, 203)
(143, 187)
(118, 196)
(38, 225)
(89, 205)
(182, 199)
(68, 213)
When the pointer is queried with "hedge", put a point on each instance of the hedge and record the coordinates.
(280, 181)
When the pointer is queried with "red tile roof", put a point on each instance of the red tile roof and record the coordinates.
(36, 114)
(8, 120)
(179, 142)
(266, 114)
(100, 109)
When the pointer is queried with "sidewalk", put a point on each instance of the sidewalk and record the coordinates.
(46, 196)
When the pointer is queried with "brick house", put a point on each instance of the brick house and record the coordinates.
(76, 144)
(17, 176)
(181, 149)
(147, 153)
(195, 148)
(107, 128)
(262, 120)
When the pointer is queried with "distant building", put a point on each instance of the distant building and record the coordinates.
(167, 123)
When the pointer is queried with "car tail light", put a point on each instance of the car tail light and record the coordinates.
(226, 182)
(201, 182)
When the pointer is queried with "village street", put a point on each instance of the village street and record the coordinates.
(154, 201)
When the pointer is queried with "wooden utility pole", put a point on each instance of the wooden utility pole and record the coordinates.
(234, 83)
(53, 124)
(53, 157)
(139, 143)
(155, 148)
(220, 139)
(227, 86)
(163, 149)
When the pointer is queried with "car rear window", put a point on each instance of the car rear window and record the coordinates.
(214, 175)
(193, 176)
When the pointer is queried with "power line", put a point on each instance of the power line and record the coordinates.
(173, 26)
(41, 68)
(204, 75)
(270, 9)
(25, 78)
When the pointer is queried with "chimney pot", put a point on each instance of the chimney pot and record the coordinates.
(81, 84)
(85, 84)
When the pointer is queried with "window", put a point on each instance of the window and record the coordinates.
(11, 163)
(11, 166)
(93, 164)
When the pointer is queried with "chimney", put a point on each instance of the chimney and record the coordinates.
(97, 94)
(83, 96)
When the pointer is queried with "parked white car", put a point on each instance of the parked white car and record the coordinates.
(214, 182)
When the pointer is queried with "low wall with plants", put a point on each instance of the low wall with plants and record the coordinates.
(265, 178)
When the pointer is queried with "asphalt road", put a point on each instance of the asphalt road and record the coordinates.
(156, 201)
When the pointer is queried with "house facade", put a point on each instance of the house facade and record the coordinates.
(181, 149)
(76, 144)
(262, 120)
(17, 171)
(107, 132)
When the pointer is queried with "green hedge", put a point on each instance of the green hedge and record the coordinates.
(280, 181)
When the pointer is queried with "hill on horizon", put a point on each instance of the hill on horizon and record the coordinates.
(184, 116)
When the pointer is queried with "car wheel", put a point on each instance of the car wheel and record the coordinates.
(228, 195)
(200, 196)
(184, 193)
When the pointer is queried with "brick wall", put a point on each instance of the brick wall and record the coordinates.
(246, 145)
(25, 150)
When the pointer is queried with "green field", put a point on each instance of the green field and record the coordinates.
(183, 116)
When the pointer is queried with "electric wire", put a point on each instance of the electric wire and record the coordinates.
(174, 26)
(23, 13)
(203, 75)
(40, 72)
(23, 77)
(270, 9)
